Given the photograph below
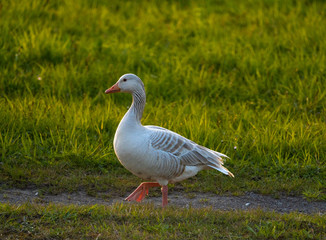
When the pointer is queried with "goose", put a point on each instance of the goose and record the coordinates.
(155, 153)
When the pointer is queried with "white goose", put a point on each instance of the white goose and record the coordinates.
(156, 153)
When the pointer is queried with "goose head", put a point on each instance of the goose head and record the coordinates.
(129, 83)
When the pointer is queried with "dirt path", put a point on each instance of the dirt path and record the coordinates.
(180, 199)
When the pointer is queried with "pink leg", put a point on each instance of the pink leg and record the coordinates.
(164, 196)
(141, 191)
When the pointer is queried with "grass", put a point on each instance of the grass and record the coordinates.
(33, 221)
(244, 78)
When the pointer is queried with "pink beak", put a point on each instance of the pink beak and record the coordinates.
(113, 89)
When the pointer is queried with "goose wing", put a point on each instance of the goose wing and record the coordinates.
(187, 152)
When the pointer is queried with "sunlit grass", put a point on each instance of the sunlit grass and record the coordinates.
(243, 78)
(119, 221)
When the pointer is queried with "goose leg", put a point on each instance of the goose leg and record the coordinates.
(164, 196)
(141, 191)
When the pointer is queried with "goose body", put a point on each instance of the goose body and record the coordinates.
(155, 153)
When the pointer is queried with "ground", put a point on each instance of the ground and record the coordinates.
(283, 204)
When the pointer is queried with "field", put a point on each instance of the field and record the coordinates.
(124, 222)
(245, 78)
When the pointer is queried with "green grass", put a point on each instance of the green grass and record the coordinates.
(32, 221)
(226, 74)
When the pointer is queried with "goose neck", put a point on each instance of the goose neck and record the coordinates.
(138, 104)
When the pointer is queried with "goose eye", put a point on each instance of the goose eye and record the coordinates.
(125, 80)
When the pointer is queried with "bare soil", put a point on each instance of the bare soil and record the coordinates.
(284, 204)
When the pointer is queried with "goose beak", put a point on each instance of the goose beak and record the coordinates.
(113, 89)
